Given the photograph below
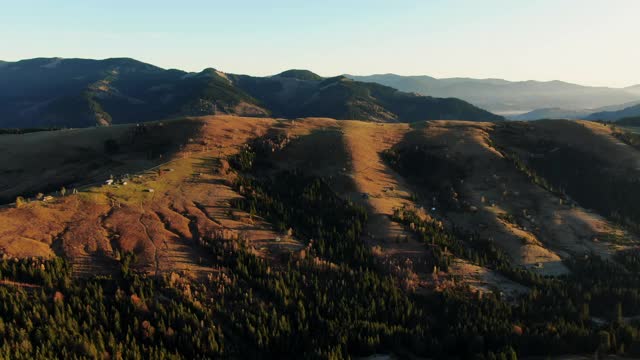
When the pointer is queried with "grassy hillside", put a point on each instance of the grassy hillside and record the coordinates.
(319, 238)
(80, 156)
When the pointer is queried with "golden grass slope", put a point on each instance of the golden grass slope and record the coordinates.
(51, 159)
(164, 211)
(190, 198)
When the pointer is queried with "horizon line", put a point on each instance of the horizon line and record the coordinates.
(479, 78)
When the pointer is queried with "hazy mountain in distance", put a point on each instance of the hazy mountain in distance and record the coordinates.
(56, 92)
(507, 97)
(631, 111)
(570, 114)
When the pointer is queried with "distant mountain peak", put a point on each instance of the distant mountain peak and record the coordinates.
(208, 71)
(339, 78)
(299, 74)
(510, 97)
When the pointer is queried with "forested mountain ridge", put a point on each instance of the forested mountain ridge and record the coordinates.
(341, 98)
(56, 92)
(79, 93)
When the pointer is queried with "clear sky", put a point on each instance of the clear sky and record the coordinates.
(591, 42)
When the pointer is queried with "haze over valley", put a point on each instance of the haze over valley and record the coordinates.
(521, 100)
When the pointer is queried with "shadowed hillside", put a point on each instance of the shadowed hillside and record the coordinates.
(80, 93)
(78, 157)
(55, 92)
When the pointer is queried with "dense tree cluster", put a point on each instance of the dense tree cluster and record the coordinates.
(436, 174)
(312, 210)
(46, 314)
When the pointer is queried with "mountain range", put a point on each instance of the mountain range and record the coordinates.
(513, 98)
(56, 92)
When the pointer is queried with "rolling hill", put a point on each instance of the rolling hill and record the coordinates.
(506, 97)
(360, 157)
(55, 92)
(403, 238)
(342, 151)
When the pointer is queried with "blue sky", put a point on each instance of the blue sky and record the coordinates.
(584, 41)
